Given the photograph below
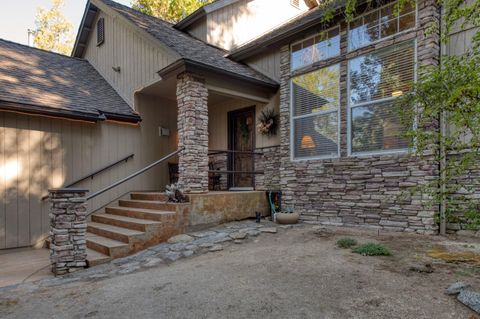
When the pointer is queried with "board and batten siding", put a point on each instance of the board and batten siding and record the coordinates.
(242, 21)
(38, 153)
(218, 122)
(138, 56)
(267, 63)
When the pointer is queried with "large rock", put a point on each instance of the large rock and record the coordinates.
(183, 238)
(456, 288)
(238, 235)
(470, 299)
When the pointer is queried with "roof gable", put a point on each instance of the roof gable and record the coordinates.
(185, 46)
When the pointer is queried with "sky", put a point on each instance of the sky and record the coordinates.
(17, 16)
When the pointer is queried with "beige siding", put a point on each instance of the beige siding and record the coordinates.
(267, 63)
(244, 20)
(218, 123)
(460, 41)
(38, 153)
(199, 29)
(138, 56)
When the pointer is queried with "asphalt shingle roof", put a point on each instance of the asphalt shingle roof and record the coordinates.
(186, 46)
(54, 82)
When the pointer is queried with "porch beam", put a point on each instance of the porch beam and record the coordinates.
(237, 94)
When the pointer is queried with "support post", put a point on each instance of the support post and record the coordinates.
(192, 99)
(68, 228)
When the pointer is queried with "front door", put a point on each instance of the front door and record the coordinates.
(241, 133)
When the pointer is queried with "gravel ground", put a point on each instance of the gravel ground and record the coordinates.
(295, 273)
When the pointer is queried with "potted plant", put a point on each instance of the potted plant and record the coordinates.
(287, 216)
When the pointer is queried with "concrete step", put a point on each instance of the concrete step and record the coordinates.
(147, 204)
(114, 232)
(107, 246)
(142, 213)
(126, 222)
(94, 258)
(156, 196)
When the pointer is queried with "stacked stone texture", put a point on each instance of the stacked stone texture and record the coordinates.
(269, 163)
(192, 99)
(68, 227)
(370, 191)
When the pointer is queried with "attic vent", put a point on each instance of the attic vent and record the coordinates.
(295, 3)
(100, 31)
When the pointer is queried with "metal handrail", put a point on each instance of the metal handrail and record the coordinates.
(125, 159)
(129, 177)
(216, 152)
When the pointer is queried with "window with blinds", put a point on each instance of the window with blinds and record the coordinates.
(375, 80)
(100, 31)
(320, 47)
(380, 23)
(315, 116)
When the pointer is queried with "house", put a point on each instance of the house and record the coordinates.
(137, 88)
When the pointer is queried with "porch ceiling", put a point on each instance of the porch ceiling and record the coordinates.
(167, 89)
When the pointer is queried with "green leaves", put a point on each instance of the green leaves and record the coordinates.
(169, 10)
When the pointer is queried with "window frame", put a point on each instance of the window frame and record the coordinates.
(349, 49)
(349, 107)
(293, 118)
(313, 38)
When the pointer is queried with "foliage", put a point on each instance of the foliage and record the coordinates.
(169, 10)
(53, 31)
(346, 242)
(372, 249)
(175, 194)
(268, 122)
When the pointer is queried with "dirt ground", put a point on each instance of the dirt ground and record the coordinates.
(296, 273)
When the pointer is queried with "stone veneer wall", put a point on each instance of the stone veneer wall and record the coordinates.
(269, 163)
(192, 99)
(68, 228)
(354, 190)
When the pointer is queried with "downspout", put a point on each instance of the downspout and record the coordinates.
(443, 152)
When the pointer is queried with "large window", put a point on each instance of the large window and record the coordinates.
(320, 47)
(375, 80)
(315, 116)
(380, 23)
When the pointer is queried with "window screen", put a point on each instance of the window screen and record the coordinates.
(315, 105)
(320, 47)
(375, 81)
(380, 23)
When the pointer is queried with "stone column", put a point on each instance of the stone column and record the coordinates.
(192, 99)
(68, 228)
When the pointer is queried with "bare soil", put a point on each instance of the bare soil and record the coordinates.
(296, 273)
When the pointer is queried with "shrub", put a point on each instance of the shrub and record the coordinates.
(372, 249)
(346, 242)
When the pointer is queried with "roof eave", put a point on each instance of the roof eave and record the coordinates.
(50, 112)
(190, 19)
(186, 65)
(89, 9)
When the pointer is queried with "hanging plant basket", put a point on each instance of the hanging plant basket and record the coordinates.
(268, 122)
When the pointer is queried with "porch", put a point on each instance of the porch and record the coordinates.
(216, 133)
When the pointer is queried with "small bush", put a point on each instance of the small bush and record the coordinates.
(372, 249)
(346, 242)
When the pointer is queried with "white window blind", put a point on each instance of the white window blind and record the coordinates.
(315, 118)
(380, 23)
(321, 47)
(375, 81)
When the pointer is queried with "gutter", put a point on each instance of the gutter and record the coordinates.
(191, 19)
(183, 65)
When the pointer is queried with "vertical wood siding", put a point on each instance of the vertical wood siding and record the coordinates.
(138, 57)
(38, 153)
(218, 122)
(267, 63)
